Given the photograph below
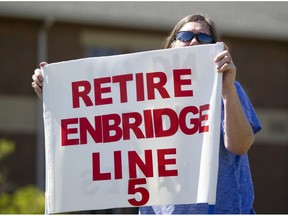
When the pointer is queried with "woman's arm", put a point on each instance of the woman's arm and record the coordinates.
(238, 133)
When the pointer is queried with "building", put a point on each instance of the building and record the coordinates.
(256, 32)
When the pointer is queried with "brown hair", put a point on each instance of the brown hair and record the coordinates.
(191, 18)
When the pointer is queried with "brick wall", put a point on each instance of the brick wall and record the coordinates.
(17, 55)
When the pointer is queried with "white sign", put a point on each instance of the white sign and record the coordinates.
(132, 130)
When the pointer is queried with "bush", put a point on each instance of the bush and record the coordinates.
(6, 148)
(26, 200)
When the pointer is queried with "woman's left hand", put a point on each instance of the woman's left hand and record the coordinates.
(226, 66)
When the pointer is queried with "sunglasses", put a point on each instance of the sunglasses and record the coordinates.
(187, 36)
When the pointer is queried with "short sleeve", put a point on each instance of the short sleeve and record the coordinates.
(248, 108)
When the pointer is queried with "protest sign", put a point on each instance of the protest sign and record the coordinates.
(132, 130)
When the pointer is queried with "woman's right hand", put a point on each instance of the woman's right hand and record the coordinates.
(37, 80)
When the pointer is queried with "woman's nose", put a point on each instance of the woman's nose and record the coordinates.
(194, 42)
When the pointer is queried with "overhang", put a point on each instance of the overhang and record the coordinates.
(267, 20)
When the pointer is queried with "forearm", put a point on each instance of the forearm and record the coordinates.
(238, 133)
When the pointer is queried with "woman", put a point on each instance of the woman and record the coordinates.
(239, 124)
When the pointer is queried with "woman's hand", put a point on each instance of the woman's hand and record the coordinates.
(37, 80)
(226, 66)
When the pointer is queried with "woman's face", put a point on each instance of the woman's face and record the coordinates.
(195, 27)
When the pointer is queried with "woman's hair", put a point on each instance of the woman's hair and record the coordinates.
(190, 18)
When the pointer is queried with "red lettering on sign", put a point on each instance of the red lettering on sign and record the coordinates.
(178, 83)
(111, 128)
(95, 131)
(151, 124)
(77, 93)
(132, 189)
(99, 90)
(65, 131)
(136, 162)
(158, 122)
(152, 85)
(163, 161)
(118, 164)
(155, 82)
(96, 173)
(134, 126)
(122, 80)
(140, 87)
(203, 117)
(193, 121)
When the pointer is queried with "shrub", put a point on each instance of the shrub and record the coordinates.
(26, 200)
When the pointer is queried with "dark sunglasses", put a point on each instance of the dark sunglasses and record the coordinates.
(187, 36)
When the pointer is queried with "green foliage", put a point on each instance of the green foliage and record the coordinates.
(6, 148)
(26, 200)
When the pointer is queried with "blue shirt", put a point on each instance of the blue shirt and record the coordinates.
(235, 192)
